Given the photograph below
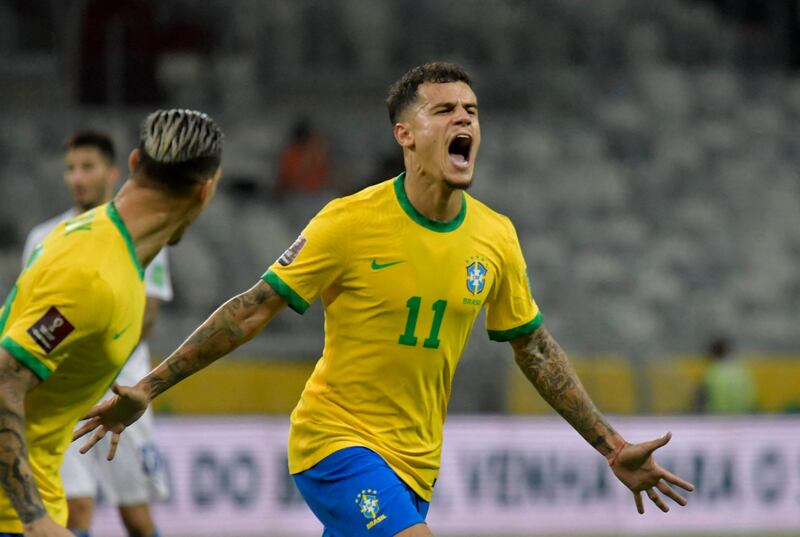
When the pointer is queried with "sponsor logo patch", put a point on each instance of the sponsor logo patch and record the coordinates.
(50, 330)
(294, 250)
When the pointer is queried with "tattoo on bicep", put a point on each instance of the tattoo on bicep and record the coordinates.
(258, 294)
(547, 367)
(221, 333)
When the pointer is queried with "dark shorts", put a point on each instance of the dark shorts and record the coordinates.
(11, 535)
(354, 493)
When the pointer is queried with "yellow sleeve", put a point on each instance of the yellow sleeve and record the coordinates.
(511, 311)
(52, 312)
(314, 262)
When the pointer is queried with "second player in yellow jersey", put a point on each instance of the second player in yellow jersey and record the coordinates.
(75, 314)
(76, 307)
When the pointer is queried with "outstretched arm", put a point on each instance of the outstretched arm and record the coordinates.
(547, 367)
(234, 323)
(16, 476)
(231, 325)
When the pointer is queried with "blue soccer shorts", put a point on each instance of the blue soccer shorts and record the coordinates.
(354, 493)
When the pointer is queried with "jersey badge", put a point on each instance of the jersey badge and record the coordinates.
(50, 330)
(476, 277)
(294, 250)
(367, 502)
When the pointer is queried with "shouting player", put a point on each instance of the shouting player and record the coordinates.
(75, 313)
(135, 477)
(403, 269)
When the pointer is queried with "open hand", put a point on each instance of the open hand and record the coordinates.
(635, 467)
(113, 415)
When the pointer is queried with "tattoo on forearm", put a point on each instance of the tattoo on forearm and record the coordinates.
(16, 476)
(547, 367)
(229, 327)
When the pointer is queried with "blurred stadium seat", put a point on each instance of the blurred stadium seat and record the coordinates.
(651, 171)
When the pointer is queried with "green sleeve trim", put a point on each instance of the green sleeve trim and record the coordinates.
(421, 219)
(296, 302)
(12, 295)
(514, 333)
(111, 210)
(23, 355)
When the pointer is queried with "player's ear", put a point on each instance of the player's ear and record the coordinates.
(133, 159)
(208, 187)
(403, 134)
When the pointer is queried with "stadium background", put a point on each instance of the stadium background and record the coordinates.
(646, 150)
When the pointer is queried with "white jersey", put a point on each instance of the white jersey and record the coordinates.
(157, 285)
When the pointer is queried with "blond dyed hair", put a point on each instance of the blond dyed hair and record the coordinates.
(179, 148)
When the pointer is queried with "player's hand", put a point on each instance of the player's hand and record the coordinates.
(113, 415)
(635, 467)
(46, 527)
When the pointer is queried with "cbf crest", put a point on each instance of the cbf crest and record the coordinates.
(476, 275)
(368, 504)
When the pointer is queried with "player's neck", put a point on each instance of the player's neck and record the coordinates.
(433, 198)
(151, 218)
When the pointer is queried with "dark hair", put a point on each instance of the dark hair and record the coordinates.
(88, 138)
(404, 91)
(178, 149)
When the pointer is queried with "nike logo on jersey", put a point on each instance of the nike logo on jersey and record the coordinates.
(119, 334)
(379, 266)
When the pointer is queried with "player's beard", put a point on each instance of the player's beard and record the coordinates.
(175, 239)
(87, 205)
(90, 198)
(458, 185)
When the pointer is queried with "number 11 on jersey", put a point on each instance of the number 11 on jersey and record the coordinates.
(432, 341)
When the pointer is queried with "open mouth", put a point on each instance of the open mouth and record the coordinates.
(459, 150)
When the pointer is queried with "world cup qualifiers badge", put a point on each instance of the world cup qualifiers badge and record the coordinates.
(367, 502)
(292, 252)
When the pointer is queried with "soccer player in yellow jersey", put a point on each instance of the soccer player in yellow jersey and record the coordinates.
(402, 267)
(135, 476)
(75, 313)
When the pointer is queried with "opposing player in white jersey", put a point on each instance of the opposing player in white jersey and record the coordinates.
(136, 476)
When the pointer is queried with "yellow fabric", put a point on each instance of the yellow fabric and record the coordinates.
(383, 381)
(86, 270)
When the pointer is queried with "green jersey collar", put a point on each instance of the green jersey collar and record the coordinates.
(111, 211)
(421, 219)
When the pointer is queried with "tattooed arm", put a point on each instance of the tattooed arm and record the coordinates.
(16, 476)
(549, 370)
(547, 367)
(234, 323)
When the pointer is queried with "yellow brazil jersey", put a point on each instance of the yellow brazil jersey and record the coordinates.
(400, 294)
(73, 317)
